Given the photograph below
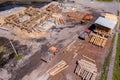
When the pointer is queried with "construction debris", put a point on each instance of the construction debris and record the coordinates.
(57, 68)
(98, 40)
(86, 70)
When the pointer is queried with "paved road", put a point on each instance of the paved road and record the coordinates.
(111, 65)
(100, 6)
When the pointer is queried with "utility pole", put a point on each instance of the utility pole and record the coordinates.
(13, 47)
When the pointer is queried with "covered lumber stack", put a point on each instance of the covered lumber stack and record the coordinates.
(53, 9)
(103, 31)
(58, 68)
(86, 70)
(98, 40)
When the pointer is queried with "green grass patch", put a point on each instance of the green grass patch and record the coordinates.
(105, 0)
(19, 57)
(106, 63)
(116, 73)
(2, 48)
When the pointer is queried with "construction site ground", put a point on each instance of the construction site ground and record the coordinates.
(70, 49)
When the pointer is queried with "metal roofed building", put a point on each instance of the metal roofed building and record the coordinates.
(106, 23)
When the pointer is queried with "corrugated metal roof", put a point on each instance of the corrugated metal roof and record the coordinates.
(105, 22)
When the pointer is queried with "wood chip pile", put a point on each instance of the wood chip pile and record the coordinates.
(86, 70)
(98, 40)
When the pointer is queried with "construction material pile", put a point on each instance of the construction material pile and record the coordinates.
(57, 68)
(80, 16)
(31, 18)
(28, 19)
(104, 32)
(98, 40)
(59, 19)
(36, 20)
(86, 70)
(53, 9)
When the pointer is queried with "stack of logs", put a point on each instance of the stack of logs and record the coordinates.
(98, 40)
(57, 68)
(86, 70)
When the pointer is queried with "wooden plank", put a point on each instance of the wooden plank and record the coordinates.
(58, 68)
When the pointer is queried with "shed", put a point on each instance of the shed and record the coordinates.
(106, 23)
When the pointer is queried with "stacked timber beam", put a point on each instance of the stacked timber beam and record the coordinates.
(53, 9)
(98, 40)
(105, 32)
(36, 18)
(59, 19)
(57, 68)
(86, 70)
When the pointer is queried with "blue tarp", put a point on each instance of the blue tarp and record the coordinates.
(7, 7)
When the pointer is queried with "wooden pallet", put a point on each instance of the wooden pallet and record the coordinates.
(98, 40)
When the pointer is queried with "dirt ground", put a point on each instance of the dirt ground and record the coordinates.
(81, 48)
(61, 38)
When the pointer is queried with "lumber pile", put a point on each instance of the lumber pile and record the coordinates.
(104, 32)
(34, 16)
(77, 16)
(32, 11)
(80, 16)
(58, 68)
(2, 20)
(31, 18)
(53, 9)
(59, 19)
(98, 40)
(86, 70)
